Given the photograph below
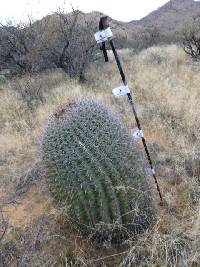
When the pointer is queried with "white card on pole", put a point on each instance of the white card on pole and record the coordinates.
(108, 32)
(100, 37)
(121, 90)
(103, 35)
(138, 134)
(150, 171)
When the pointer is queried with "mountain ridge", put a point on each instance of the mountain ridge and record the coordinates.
(170, 18)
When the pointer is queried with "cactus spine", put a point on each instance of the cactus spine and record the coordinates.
(92, 164)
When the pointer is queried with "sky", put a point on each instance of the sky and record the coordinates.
(125, 10)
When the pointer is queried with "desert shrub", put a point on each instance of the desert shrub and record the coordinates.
(92, 164)
(168, 250)
(62, 40)
(191, 39)
(32, 89)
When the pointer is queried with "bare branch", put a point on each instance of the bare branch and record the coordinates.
(191, 39)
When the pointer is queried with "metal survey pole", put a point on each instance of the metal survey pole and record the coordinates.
(106, 34)
(130, 99)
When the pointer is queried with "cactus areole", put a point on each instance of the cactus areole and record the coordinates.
(93, 166)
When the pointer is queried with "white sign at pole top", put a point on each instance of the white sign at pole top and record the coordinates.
(121, 90)
(103, 35)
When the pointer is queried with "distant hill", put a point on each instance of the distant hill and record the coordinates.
(169, 18)
(172, 16)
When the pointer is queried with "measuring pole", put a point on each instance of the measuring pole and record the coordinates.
(106, 34)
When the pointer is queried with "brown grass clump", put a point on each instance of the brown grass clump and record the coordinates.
(165, 84)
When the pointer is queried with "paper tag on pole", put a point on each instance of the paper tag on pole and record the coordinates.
(103, 35)
(150, 171)
(100, 37)
(108, 32)
(138, 134)
(121, 90)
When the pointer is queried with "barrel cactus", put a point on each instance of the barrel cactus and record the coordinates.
(92, 165)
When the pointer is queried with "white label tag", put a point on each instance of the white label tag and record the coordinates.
(103, 35)
(122, 90)
(150, 171)
(108, 32)
(100, 37)
(138, 134)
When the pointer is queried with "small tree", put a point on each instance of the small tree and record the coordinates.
(69, 42)
(20, 48)
(13, 48)
(58, 41)
(191, 39)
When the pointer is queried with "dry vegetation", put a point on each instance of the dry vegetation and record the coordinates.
(37, 232)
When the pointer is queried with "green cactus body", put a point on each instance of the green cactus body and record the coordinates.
(92, 164)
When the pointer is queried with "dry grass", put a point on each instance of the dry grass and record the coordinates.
(166, 88)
